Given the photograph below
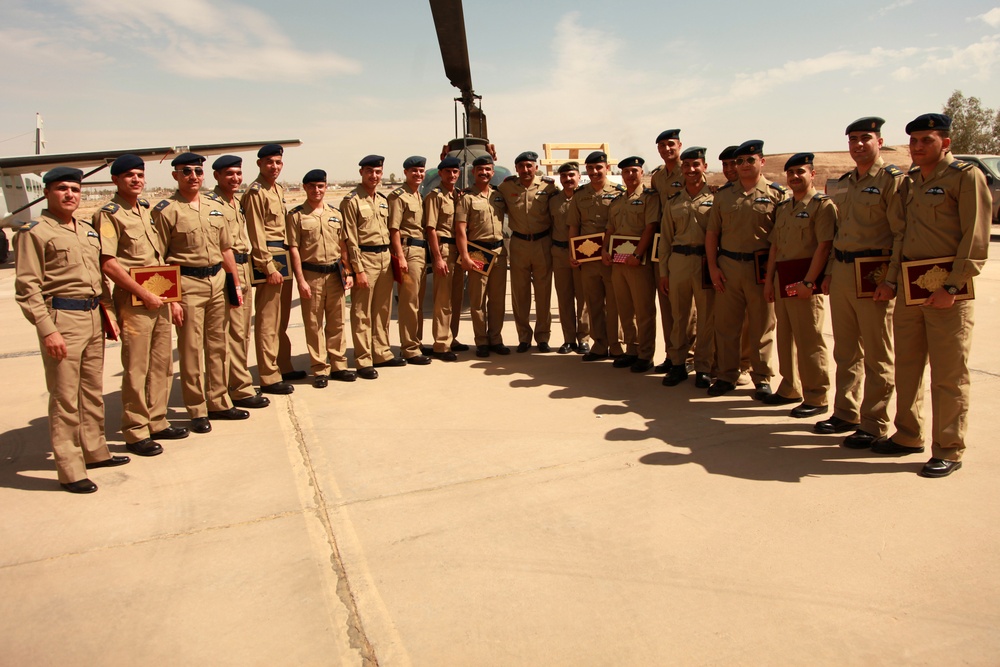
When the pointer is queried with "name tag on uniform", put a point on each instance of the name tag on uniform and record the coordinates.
(637, 202)
(761, 200)
(609, 196)
(705, 203)
(676, 184)
(871, 189)
(211, 213)
(381, 205)
(936, 191)
(498, 200)
(334, 219)
(802, 214)
(93, 235)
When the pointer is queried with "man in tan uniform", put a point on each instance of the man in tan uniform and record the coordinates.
(228, 172)
(193, 234)
(682, 248)
(439, 232)
(742, 216)
(128, 241)
(573, 316)
(59, 286)
(588, 214)
(527, 199)
(862, 327)
(406, 237)
(947, 210)
(803, 230)
(479, 218)
(365, 231)
(728, 159)
(635, 213)
(322, 275)
(264, 207)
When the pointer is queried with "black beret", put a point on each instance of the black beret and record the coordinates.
(481, 160)
(185, 159)
(798, 160)
(752, 147)
(631, 161)
(668, 134)
(414, 161)
(527, 156)
(62, 174)
(866, 124)
(596, 156)
(728, 153)
(269, 150)
(371, 161)
(314, 176)
(227, 161)
(929, 121)
(126, 162)
(569, 166)
(694, 153)
(450, 162)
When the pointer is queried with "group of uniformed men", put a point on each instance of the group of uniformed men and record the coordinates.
(717, 317)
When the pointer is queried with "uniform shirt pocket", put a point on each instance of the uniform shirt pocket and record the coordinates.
(60, 253)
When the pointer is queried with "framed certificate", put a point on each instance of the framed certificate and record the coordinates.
(791, 271)
(655, 254)
(922, 277)
(279, 257)
(760, 264)
(163, 281)
(482, 258)
(586, 248)
(623, 247)
(868, 273)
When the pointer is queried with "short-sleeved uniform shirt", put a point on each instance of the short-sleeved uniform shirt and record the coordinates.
(528, 207)
(632, 212)
(189, 237)
(439, 212)
(264, 208)
(589, 207)
(744, 219)
(365, 222)
(236, 221)
(128, 234)
(684, 221)
(559, 205)
(316, 232)
(483, 213)
(800, 226)
(406, 212)
(667, 182)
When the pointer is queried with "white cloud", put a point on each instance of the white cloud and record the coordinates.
(978, 59)
(991, 17)
(892, 6)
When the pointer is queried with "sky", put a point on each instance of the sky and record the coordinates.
(353, 78)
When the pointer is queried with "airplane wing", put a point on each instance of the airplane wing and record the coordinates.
(38, 164)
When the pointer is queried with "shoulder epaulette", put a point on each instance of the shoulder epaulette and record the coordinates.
(913, 169)
(777, 186)
(162, 205)
(213, 196)
(27, 226)
(728, 184)
(350, 195)
(656, 169)
(819, 196)
(892, 170)
(847, 175)
(332, 207)
(649, 191)
(676, 194)
(784, 201)
(398, 191)
(512, 177)
(110, 207)
(143, 202)
(548, 179)
(961, 165)
(88, 223)
(255, 186)
(379, 194)
(297, 209)
(467, 191)
(619, 187)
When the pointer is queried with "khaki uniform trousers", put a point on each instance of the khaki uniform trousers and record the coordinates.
(802, 355)
(667, 320)
(573, 316)
(635, 289)
(237, 365)
(743, 298)
(488, 301)
(147, 367)
(444, 301)
(76, 401)
(324, 312)
(274, 349)
(410, 308)
(685, 291)
(862, 343)
(370, 307)
(203, 337)
(944, 338)
(599, 293)
(531, 267)
(457, 294)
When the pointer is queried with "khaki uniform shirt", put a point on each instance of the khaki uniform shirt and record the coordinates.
(189, 237)
(128, 234)
(589, 207)
(744, 219)
(264, 209)
(946, 214)
(667, 183)
(236, 221)
(483, 213)
(53, 260)
(406, 213)
(528, 207)
(684, 221)
(315, 232)
(365, 222)
(633, 212)
(439, 212)
(800, 226)
(559, 210)
(863, 210)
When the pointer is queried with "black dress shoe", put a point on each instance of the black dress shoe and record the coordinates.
(201, 425)
(565, 348)
(702, 380)
(114, 461)
(459, 347)
(805, 410)
(859, 440)
(500, 349)
(594, 356)
(320, 381)
(426, 350)
(664, 367)
(144, 447)
(294, 375)
(625, 360)
(446, 356)
(835, 425)
(641, 366)
(584, 348)
(892, 448)
(252, 402)
(720, 388)
(170, 433)
(939, 468)
(419, 360)
(277, 388)
(763, 390)
(544, 348)
(482, 351)
(776, 399)
(523, 347)
(367, 373)
(394, 362)
(232, 414)
(343, 376)
(80, 486)
(675, 376)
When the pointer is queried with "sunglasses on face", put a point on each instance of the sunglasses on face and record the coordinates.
(187, 171)
(745, 160)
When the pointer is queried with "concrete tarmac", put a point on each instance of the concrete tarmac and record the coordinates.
(519, 510)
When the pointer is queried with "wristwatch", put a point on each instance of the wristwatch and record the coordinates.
(809, 284)
(950, 289)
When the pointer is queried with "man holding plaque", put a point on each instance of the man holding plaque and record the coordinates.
(573, 316)
(800, 244)
(439, 232)
(634, 214)
(406, 236)
(479, 220)
(128, 241)
(946, 210)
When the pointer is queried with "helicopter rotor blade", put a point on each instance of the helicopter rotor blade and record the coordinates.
(449, 21)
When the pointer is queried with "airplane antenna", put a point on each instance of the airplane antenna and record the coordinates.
(39, 135)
